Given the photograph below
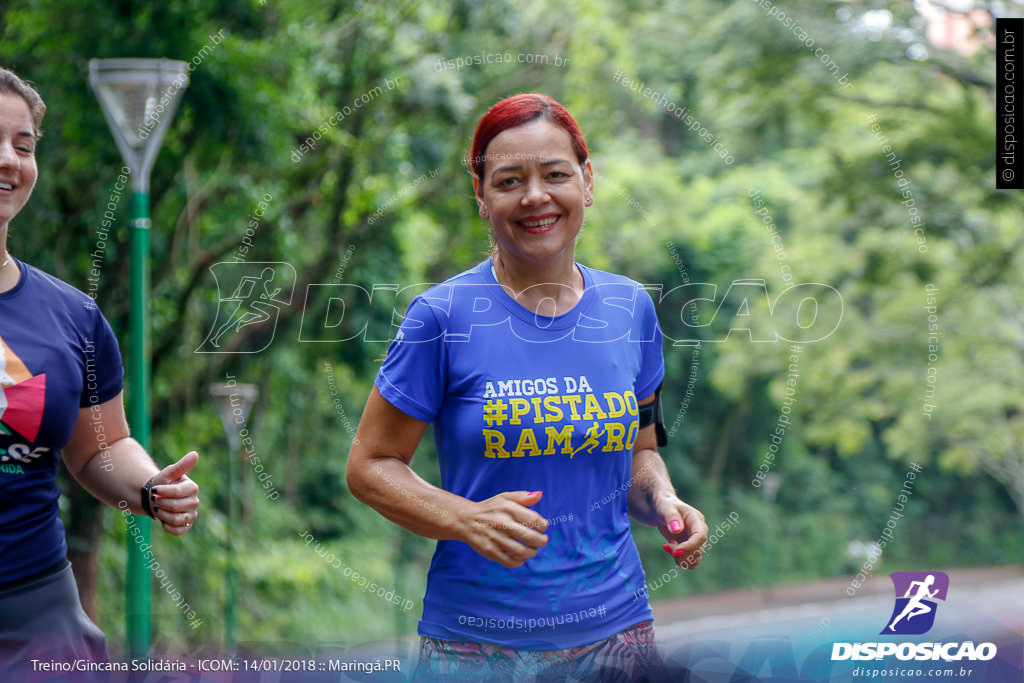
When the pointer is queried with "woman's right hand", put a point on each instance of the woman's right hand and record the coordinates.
(503, 528)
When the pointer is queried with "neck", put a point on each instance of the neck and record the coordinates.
(549, 288)
(8, 271)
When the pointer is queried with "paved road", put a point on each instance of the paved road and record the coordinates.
(788, 634)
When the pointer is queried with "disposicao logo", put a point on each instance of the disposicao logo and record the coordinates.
(254, 304)
(914, 614)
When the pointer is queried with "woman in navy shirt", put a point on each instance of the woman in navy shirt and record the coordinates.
(538, 374)
(60, 399)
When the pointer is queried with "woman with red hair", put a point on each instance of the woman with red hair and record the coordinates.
(540, 376)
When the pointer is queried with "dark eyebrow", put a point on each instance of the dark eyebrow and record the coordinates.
(519, 168)
(26, 134)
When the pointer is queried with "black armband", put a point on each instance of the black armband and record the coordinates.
(651, 414)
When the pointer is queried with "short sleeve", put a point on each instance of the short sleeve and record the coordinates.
(413, 375)
(104, 371)
(652, 360)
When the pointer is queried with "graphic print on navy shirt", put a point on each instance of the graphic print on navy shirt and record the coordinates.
(57, 355)
(22, 399)
(527, 402)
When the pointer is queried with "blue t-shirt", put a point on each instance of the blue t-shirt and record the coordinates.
(527, 402)
(57, 355)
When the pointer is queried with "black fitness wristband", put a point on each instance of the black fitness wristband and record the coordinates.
(147, 491)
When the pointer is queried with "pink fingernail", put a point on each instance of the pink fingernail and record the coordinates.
(667, 548)
(534, 493)
(678, 553)
(674, 526)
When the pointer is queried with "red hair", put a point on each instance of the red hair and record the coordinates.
(515, 111)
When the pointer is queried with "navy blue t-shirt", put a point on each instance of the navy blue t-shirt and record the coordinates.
(57, 355)
(527, 402)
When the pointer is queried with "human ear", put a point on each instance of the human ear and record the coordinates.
(588, 183)
(478, 194)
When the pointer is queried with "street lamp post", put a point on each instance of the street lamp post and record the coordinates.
(770, 491)
(234, 401)
(138, 98)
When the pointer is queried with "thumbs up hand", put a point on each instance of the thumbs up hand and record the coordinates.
(174, 497)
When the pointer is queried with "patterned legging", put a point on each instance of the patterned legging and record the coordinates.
(627, 656)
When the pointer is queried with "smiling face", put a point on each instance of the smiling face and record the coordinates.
(17, 156)
(534, 192)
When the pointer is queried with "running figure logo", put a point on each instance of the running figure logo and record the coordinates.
(254, 302)
(914, 612)
(591, 443)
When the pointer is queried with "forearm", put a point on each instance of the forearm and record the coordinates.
(116, 474)
(393, 489)
(649, 482)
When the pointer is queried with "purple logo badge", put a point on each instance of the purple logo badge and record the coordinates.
(916, 593)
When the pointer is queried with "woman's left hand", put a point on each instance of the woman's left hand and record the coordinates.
(685, 529)
(174, 497)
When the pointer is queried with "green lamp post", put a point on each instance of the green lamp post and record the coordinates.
(234, 401)
(138, 98)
